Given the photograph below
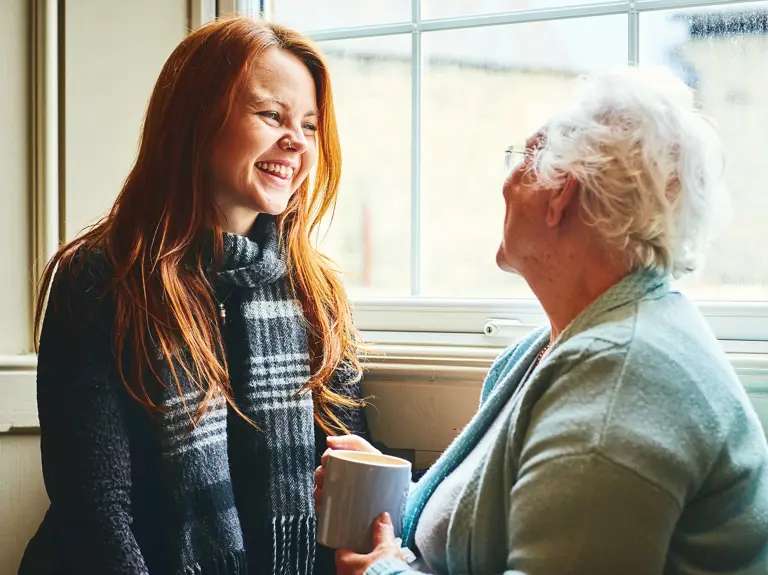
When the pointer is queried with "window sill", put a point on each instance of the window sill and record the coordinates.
(456, 356)
(461, 319)
(18, 400)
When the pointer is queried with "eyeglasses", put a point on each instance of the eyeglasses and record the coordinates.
(513, 157)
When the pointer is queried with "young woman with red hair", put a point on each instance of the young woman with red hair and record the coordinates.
(196, 349)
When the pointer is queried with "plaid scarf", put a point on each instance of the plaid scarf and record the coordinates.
(241, 498)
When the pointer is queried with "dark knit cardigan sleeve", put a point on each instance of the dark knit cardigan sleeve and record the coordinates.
(84, 442)
(345, 382)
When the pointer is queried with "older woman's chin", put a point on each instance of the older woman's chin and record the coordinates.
(502, 261)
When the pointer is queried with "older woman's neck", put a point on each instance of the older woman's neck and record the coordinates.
(565, 292)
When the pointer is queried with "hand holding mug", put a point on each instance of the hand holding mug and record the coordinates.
(340, 443)
(356, 485)
(385, 546)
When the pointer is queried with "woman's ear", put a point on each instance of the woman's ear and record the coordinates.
(561, 199)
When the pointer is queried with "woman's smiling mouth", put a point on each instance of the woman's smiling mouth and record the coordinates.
(278, 170)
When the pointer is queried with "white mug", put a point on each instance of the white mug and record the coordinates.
(357, 488)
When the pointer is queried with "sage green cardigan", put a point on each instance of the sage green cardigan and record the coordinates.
(631, 449)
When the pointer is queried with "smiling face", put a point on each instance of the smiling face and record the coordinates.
(267, 147)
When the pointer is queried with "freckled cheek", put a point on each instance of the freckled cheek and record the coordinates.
(256, 141)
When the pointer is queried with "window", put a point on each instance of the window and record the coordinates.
(430, 92)
(719, 51)
(370, 238)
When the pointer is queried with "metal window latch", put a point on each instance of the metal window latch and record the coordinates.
(501, 327)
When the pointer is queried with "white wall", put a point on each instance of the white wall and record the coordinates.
(15, 307)
(114, 52)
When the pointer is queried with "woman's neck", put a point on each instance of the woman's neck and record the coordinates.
(235, 219)
(564, 295)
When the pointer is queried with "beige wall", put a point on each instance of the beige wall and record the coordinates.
(22, 497)
(115, 51)
(14, 167)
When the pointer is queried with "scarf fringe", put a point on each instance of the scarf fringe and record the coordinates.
(294, 544)
(231, 563)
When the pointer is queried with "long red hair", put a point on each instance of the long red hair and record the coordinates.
(162, 210)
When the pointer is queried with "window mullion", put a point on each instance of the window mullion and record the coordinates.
(416, 74)
(633, 34)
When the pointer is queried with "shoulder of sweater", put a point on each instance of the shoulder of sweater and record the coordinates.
(79, 290)
(665, 342)
(76, 340)
(87, 270)
(646, 377)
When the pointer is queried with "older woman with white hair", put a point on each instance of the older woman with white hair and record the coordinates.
(618, 440)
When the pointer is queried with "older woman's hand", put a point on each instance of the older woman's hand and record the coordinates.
(339, 443)
(385, 546)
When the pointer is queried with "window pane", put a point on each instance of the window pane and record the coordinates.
(484, 89)
(369, 237)
(455, 8)
(722, 53)
(324, 14)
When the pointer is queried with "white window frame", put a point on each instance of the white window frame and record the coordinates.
(201, 12)
(423, 320)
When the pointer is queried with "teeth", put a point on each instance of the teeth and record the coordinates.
(278, 169)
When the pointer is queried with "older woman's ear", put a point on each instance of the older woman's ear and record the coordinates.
(561, 199)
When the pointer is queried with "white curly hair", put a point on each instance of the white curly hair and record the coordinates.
(648, 163)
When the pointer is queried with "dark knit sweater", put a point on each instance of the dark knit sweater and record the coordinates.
(102, 453)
